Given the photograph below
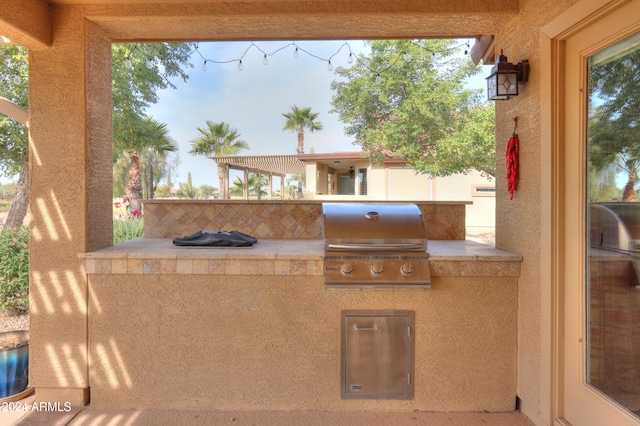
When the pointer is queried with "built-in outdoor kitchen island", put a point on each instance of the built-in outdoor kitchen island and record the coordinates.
(256, 328)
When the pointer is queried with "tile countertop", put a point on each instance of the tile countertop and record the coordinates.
(281, 257)
(289, 249)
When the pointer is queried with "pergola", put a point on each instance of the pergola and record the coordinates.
(14, 111)
(270, 165)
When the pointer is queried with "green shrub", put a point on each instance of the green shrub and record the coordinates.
(127, 229)
(14, 270)
(5, 205)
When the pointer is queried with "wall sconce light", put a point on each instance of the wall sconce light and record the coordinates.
(505, 77)
(351, 171)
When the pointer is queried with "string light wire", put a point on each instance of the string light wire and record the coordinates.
(149, 61)
(405, 56)
(328, 60)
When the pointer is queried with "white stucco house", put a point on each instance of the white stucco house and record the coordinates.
(351, 175)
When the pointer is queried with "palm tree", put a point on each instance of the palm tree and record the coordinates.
(217, 139)
(154, 167)
(255, 185)
(147, 133)
(613, 142)
(290, 188)
(298, 120)
(614, 131)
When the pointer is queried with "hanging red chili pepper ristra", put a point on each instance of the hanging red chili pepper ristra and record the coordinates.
(511, 161)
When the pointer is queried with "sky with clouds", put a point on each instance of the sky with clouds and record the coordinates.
(253, 100)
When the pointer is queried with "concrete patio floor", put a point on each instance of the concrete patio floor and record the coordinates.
(86, 416)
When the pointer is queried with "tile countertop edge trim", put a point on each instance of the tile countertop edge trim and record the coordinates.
(466, 260)
(317, 202)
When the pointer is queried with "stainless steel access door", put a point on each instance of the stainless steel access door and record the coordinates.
(377, 355)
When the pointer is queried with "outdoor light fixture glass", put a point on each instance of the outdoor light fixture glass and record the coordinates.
(505, 77)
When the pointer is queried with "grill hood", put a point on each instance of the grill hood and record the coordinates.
(375, 245)
(373, 227)
(616, 226)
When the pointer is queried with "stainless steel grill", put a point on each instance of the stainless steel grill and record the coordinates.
(616, 227)
(375, 245)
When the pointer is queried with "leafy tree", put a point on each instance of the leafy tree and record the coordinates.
(14, 137)
(207, 191)
(138, 71)
(613, 147)
(217, 139)
(163, 191)
(614, 122)
(298, 120)
(407, 99)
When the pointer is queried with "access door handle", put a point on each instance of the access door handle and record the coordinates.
(374, 328)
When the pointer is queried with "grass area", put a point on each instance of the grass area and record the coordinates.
(127, 229)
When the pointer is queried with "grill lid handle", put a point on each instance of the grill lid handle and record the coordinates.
(372, 215)
(376, 247)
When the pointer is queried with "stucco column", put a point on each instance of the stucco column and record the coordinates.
(323, 180)
(312, 184)
(71, 186)
(282, 178)
(245, 185)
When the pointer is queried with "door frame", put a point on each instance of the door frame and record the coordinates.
(554, 378)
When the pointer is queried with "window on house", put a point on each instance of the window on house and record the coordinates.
(362, 178)
(347, 186)
(612, 266)
(481, 190)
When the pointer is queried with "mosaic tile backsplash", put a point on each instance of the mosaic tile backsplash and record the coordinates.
(276, 219)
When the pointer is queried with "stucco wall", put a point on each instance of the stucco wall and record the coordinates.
(60, 132)
(274, 342)
(460, 187)
(404, 184)
(519, 222)
(69, 208)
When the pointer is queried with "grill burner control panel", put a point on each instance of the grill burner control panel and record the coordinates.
(364, 270)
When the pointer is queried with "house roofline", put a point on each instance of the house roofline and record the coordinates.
(344, 155)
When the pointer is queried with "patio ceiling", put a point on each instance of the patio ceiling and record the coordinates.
(265, 164)
(28, 22)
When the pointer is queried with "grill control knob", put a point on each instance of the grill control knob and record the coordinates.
(346, 269)
(376, 269)
(406, 269)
